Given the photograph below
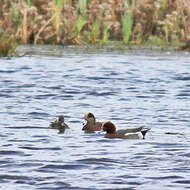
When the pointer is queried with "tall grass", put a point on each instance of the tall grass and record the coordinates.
(83, 21)
(106, 34)
(7, 45)
(94, 33)
(58, 6)
(127, 20)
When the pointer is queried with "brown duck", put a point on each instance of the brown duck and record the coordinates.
(133, 133)
(91, 125)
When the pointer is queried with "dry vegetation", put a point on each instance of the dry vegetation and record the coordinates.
(158, 22)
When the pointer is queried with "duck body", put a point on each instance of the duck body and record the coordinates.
(133, 133)
(91, 124)
(59, 124)
(92, 127)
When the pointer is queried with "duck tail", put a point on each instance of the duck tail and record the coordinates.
(144, 131)
(85, 127)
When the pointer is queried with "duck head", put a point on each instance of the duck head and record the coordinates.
(61, 119)
(109, 127)
(90, 118)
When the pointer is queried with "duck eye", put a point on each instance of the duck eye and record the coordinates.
(90, 115)
(61, 118)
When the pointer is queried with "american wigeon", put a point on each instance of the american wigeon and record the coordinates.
(59, 124)
(134, 133)
(91, 124)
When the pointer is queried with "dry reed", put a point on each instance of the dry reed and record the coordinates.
(158, 22)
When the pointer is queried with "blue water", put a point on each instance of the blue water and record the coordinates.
(130, 88)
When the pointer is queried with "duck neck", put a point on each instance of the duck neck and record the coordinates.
(91, 122)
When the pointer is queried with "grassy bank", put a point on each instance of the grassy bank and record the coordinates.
(132, 22)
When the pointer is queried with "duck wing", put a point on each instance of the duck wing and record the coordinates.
(54, 124)
(96, 127)
(130, 130)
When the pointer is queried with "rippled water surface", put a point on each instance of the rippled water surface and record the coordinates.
(129, 88)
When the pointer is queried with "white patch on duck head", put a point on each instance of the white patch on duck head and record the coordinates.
(90, 118)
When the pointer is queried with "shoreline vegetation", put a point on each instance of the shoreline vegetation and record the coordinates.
(85, 22)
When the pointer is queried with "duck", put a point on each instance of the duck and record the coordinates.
(91, 125)
(133, 133)
(59, 124)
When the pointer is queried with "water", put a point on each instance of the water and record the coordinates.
(129, 88)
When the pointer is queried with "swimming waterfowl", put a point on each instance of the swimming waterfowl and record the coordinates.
(91, 124)
(59, 124)
(134, 133)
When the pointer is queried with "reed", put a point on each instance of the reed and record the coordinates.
(57, 22)
(81, 17)
(29, 2)
(65, 22)
(127, 20)
(94, 32)
(81, 21)
(7, 45)
(106, 34)
(15, 15)
(127, 23)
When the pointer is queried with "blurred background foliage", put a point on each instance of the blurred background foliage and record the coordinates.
(156, 22)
